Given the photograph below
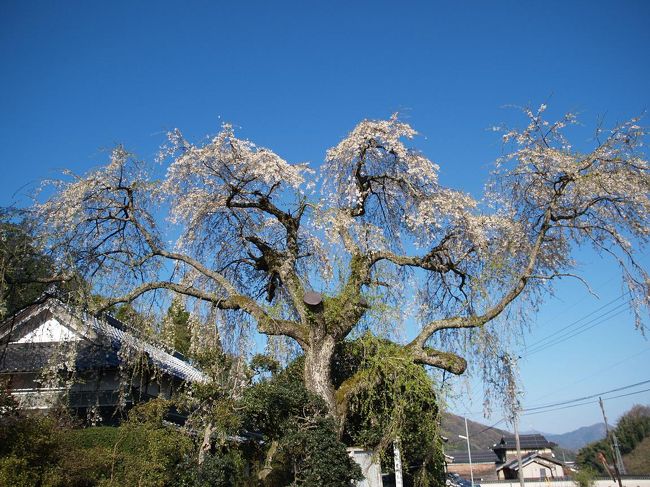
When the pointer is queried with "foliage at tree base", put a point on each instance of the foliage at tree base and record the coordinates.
(37, 450)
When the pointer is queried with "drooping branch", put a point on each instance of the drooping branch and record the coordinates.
(452, 362)
(441, 360)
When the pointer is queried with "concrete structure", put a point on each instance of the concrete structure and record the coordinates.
(567, 482)
(370, 467)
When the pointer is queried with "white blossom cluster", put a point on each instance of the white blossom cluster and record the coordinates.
(201, 178)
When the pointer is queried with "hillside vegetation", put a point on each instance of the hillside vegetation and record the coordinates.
(633, 433)
(638, 460)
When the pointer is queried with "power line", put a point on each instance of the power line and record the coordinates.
(606, 367)
(559, 338)
(539, 342)
(563, 407)
(586, 403)
(602, 319)
(585, 397)
(575, 382)
(490, 427)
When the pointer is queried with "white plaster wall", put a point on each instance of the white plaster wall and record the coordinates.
(50, 331)
(632, 482)
(532, 470)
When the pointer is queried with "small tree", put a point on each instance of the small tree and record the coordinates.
(177, 327)
(371, 232)
(584, 477)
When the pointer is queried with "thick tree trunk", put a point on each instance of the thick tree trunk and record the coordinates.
(318, 370)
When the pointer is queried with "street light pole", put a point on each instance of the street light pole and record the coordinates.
(469, 452)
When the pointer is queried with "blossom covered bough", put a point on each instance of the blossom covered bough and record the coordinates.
(372, 230)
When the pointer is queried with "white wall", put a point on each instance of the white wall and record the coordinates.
(631, 482)
(50, 331)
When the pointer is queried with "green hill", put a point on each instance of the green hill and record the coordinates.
(633, 434)
(637, 462)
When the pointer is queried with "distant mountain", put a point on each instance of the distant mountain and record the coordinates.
(574, 440)
(482, 437)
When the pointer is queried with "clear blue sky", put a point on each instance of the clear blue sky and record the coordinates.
(77, 77)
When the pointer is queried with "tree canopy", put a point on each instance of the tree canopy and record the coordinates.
(318, 255)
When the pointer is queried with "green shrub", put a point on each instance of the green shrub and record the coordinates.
(146, 452)
(584, 477)
(36, 451)
(16, 471)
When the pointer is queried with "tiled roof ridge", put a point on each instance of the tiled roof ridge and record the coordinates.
(127, 336)
(130, 337)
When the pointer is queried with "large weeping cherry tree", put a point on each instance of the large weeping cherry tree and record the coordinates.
(317, 256)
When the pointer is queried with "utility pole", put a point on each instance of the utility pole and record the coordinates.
(618, 473)
(518, 445)
(469, 452)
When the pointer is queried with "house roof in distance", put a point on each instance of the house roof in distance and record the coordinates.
(527, 442)
(477, 456)
(528, 458)
(49, 322)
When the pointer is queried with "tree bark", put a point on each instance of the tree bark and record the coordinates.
(318, 370)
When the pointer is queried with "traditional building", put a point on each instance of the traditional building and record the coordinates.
(534, 466)
(537, 462)
(53, 354)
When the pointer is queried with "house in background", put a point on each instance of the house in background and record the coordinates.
(537, 458)
(500, 463)
(52, 354)
(534, 466)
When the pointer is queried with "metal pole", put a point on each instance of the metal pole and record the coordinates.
(469, 453)
(619, 458)
(518, 445)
